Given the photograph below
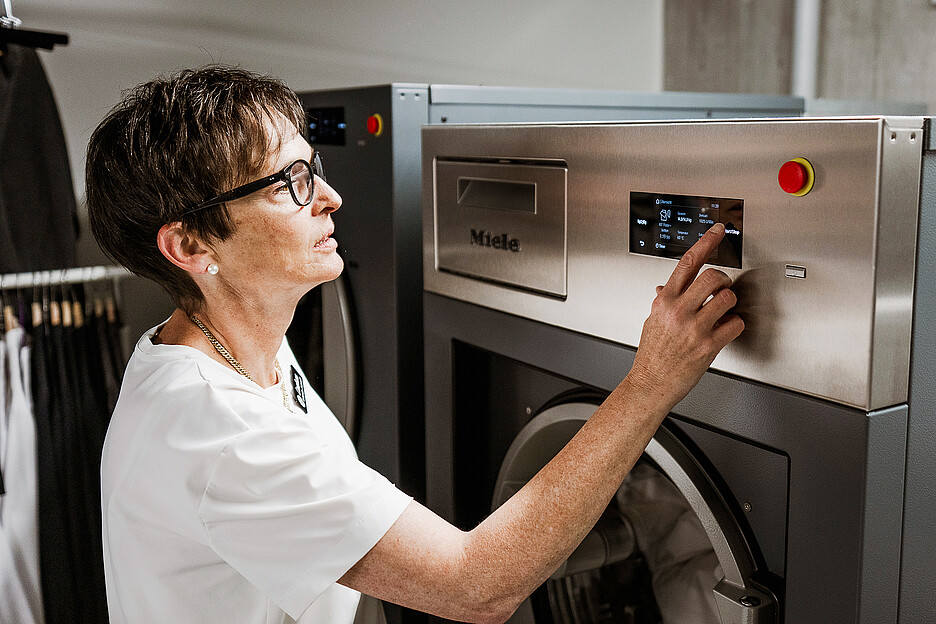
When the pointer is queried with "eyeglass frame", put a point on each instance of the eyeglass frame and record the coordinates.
(315, 168)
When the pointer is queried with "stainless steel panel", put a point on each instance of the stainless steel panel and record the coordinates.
(665, 105)
(895, 256)
(841, 332)
(514, 232)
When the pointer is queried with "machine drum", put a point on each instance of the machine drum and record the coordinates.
(656, 556)
(667, 575)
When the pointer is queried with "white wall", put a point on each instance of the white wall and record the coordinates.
(116, 44)
(615, 44)
(879, 50)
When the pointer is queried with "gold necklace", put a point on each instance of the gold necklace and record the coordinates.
(237, 365)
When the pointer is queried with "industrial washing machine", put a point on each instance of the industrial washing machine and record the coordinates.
(795, 482)
(359, 338)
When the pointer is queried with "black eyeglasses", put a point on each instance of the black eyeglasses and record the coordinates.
(298, 177)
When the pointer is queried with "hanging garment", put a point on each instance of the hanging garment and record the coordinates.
(114, 324)
(79, 467)
(90, 363)
(54, 412)
(3, 416)
(15, 604)
(19, 517)
(59, 585)
(38, 217)
(112, 352)
(110, 369)
(92, 426)
(71, 461)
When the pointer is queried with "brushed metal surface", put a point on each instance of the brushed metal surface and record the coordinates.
(841, 333)
(521, 247)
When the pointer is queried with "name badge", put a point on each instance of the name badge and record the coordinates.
(298, 389)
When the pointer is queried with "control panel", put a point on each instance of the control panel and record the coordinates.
(326, 126)
(667, 225)
(821, 228)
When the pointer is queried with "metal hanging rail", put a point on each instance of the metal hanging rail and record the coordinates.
(58, 277)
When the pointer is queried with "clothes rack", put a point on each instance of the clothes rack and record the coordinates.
(60, 370)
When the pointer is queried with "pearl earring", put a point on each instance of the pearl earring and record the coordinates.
(212, 269)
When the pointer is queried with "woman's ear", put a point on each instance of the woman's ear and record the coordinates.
(182, 249)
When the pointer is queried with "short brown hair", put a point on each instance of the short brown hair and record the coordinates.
(169, 144)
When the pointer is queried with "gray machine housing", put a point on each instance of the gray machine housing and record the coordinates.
(371, 320)
(817, 425)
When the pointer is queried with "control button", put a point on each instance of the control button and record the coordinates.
(796, 177)
(375, 124)
(792, 176)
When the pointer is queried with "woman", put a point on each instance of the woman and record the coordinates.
(223, 499)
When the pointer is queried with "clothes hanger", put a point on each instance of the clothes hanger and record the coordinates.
(87, 298)
(76, 294)
(10, 32)
(37, 299)
(110, 305)
(55, 309)
(65, 303)
(47, 307)
(3, 297)
(21, 305)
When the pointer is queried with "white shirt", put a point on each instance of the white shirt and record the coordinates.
(19, 522)
(222, 506)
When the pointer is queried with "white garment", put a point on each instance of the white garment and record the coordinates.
(26, 373)
(679, 554)
(222, 506)
(4, 406)
(19, 528)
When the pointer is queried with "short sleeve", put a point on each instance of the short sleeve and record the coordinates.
(292, 511)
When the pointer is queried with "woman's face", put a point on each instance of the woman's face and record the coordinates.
(276, 243)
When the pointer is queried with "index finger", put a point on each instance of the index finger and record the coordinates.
(689, 265)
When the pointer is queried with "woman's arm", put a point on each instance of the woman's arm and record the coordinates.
(484, 574)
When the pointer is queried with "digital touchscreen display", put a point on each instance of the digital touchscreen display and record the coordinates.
(326, 126)
(668, 225)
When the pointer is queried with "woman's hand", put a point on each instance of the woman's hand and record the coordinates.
(687, 327)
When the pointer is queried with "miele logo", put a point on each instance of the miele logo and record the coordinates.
(483, 238)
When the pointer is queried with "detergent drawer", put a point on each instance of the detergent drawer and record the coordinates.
(503, 222)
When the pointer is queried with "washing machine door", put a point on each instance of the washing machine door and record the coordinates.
(324, 340)
(666, 551)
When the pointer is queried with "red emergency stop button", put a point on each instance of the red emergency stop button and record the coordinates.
(796, 177)
(375, 124)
